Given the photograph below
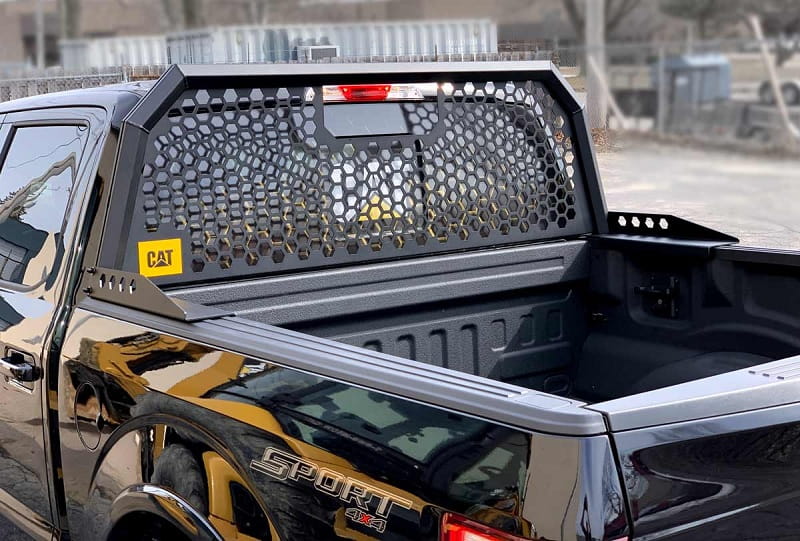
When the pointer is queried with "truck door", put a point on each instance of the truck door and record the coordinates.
(41, 155)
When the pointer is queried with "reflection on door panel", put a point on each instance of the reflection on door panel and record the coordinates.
(36, 180)
(35, 184)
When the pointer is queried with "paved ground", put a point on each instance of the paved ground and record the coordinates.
(754, 198)
(749, 196)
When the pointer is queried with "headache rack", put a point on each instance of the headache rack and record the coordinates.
(227, 172)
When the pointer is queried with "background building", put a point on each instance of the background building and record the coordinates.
(521, 24)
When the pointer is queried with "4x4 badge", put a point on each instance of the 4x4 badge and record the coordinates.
(365, 519)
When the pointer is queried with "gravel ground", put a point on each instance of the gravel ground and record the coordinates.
(754, 198)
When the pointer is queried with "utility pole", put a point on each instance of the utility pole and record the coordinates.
(661, 92)
(689, 37)
(40, 34)
(792, 131)
(596, 100)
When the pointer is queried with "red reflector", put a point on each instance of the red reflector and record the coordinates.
(365, 92)
(456, 528)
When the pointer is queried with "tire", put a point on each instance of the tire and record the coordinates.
(765, 94)
(178, 469)
(759, 134)
(789, 89)
(791, 92)
(138, 526)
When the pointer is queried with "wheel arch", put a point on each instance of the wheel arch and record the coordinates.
(121, 482)
(147, 500)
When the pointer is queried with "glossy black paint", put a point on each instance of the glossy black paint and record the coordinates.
(49, 185)
(157, 392)
(734, 477)
(158, 435)
(132, 429)
(31, 492)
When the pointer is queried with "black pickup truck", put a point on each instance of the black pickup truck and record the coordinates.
(310, 302)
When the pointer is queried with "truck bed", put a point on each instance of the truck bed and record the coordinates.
(552, 317)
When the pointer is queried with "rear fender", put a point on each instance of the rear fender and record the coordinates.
(129, 478)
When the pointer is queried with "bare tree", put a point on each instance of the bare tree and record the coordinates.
(616, 11)
(703, 12)
(171, 15)
(258, 10)
(192, 13)
(69, 13)
(183, 13)
(777, 16)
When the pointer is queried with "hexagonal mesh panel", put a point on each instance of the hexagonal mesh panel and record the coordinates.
(253, 181)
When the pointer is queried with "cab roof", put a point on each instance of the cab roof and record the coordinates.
(119, 99)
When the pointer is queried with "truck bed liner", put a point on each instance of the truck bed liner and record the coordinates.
(465, 393)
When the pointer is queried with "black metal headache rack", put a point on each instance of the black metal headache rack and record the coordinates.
(236, 171)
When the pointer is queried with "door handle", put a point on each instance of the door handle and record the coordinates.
(19, 366)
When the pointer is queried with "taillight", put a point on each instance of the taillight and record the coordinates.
(457, 528)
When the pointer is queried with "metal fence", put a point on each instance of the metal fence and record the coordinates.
(271, 43)
(30, 82)
(643, 79)
(12, 89)
(35, 82)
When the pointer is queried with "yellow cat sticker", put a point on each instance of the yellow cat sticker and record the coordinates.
(160, 257)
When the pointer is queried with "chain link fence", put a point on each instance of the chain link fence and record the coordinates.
(24, 82)
(715, 91)
(35, 82)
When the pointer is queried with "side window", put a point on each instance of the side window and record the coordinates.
(36, 180)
